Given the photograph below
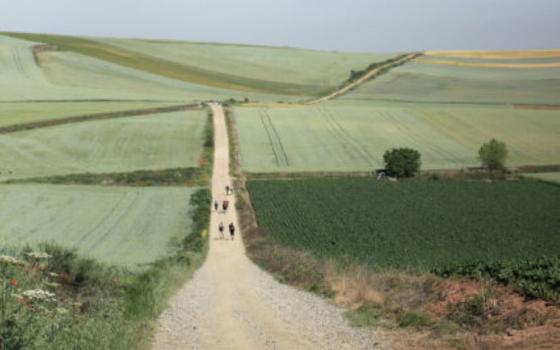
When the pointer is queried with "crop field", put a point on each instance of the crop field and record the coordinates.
(353, 135)
(68, 75)
(170, 70)
(421, 81)
(117, 225)
(286, 69)
(411, 224)
(153, 142)
(552, 177)
(28, 112)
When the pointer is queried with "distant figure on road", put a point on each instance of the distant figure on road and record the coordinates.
(227, 189)
(225, 205)
(231, 230)
(221, 229)
(215, 205)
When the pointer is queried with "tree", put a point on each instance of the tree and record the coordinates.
(402, 162)
(493, 155)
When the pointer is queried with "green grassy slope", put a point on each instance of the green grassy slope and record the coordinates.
(117, 225)
(170, 140)
(21, 113)
(353, 135)
(67, 76)
(552, 177)
(273, 69)
(434, 83)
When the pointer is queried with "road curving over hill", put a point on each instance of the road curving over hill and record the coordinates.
(230, 303)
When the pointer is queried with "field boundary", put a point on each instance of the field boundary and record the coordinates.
(97, 116)
(371, 72)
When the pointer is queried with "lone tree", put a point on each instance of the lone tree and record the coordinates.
(493, 155)
(402, 162)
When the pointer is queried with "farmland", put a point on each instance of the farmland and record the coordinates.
(60, 75)
(484, 81)
(353, 135)
(553, 177)
(161, 141)
(411, 224)
(116, 225)
(21, 113)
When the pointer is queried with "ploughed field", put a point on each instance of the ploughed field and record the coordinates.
(411, 224)
(123, 226)
(353, 135)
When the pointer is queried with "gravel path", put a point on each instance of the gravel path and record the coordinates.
(231, 304)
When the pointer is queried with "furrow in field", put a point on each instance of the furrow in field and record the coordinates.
(347, 137)
(274, 139)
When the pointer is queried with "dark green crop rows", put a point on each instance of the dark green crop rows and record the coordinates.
(426, 225)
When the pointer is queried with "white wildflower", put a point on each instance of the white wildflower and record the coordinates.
(38, 294)
(38, 255)
(10, 260)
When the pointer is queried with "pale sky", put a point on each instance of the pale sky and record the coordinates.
(344, 25)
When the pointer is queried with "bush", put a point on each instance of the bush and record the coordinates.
(493, 155)
(402, 162)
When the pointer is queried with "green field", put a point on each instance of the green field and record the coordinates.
(276, 69)
(411, 224)
(434, 83)
(164, 70)
(71, 75)
(117, 225)
(28, 112)
(352, 135)
(153, 142)
(552, 177)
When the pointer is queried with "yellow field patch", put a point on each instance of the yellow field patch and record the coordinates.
(496, 54)
(493, 65)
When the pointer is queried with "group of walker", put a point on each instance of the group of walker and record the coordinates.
(225, 205)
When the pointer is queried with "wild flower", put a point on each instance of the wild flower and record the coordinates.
(10, 260)
(13, 282)
(38, 294)
(37, 255)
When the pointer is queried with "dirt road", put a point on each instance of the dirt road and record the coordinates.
(361, 80)
(231, 304)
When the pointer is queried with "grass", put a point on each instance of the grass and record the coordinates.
(95, 116)
(360, 220)
(52, 75)
(552, 177)
(154, 142)
(437, 83)
(212, 65)
(117, 225)
(343, 136)
(93, 306)
(23, 113)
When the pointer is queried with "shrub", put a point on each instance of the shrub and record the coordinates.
(402, 162)
(493, 155)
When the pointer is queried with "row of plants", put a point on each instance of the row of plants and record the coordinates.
(537, 277)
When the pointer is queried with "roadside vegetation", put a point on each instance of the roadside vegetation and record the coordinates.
(53, 299)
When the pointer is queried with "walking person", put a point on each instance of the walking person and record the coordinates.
(221, 229)
(227, 190)
(225, 205)
(231, 231)
(215, 205)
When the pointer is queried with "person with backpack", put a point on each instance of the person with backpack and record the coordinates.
(221, 229)
(231, 231)
(225, 205)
